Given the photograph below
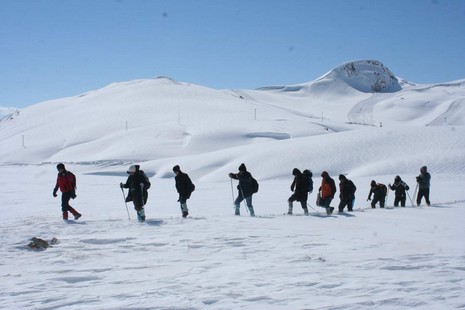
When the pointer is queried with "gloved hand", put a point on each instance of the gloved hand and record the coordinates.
(368, 199)
(121, 185)
(73, 194)
(231, 175)
(180, 198)
(54, 192)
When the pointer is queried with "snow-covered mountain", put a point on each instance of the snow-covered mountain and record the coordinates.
(158, 119)
(358, 120)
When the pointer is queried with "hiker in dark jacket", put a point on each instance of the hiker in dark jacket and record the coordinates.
(138, 184)
(346, 193)
(300, 188)
(244, 188)
(185, 187)
(66, 182)
(379, 192)
(423, 180)
(399, 187)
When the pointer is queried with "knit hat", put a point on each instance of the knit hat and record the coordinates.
(242, 167)
(373, 183)
(60, 166)
(342, 177)
(132, 169)
(295, 171)
(176, 169)
(324, 174)
(397, 178)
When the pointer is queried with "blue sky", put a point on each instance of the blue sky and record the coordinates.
(57, 48)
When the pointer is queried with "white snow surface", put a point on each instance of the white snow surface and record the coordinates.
(392, 258)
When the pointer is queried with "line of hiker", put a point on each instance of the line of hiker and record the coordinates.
(400, 188)
(138, 184)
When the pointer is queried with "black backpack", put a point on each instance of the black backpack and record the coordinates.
(308, 175)
(254, 185)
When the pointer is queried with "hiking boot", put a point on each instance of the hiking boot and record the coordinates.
(251, 211)
(237, 212)
(290, 208)
(185, 214)
(77, 216)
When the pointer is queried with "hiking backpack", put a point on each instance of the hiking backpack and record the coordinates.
(254, 185)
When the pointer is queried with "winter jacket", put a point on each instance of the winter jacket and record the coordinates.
(137, 193)
(66, 182)
(328, 187)
(300, 187)
(399, 188)
(378, 191)
(424, 180)
(347, 190)
(184, 185)
(245, 183)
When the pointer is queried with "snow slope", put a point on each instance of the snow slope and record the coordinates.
(393, 258)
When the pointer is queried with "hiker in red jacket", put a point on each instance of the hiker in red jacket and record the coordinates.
(66, 182)
(327, 191)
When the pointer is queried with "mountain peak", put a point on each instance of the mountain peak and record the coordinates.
(368, 76)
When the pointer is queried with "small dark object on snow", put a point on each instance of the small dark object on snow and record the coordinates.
(41, 244)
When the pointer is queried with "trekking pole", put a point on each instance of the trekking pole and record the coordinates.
(409, 197)
(232, 192)
(387, 196)
(245, 201)
(415, 194)
(308, 205)
(126, 204)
